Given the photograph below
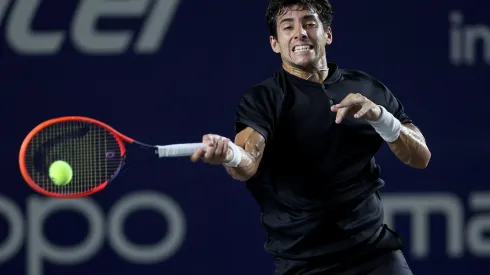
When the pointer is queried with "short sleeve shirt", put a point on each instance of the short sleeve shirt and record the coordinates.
(317, 182)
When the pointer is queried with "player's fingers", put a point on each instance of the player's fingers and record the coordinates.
(210, 151)
(341, 114)
(208, 139)
(349, 100)
(198, 154)
(362, 111)
(344, 103)
(226, 146)
(337, 107)
(220, 144)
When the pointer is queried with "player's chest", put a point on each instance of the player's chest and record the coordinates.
(308, 117)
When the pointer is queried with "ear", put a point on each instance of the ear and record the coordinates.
(274, 44)
(328, 36)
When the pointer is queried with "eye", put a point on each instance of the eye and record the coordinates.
(311, 25)
(288, 28)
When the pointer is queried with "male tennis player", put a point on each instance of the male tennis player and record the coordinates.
(306, 138)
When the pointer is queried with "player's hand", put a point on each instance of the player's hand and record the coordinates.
(216, 151)
(358, 106)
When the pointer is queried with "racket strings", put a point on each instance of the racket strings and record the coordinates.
(93, 154)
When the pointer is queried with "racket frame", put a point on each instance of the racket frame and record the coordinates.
(120, 139)
(159, 151)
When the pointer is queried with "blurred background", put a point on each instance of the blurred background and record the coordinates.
(169, 71)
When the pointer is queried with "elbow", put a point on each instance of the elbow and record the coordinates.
(419, 165)
(242, 178)
(239, 174)
(422, 161)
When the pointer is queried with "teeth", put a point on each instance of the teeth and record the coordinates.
(301, 48)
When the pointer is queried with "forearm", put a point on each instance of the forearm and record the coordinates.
(410, 147)
(245, 169)
(251, 145)
(405, 140)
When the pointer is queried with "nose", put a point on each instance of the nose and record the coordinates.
(301, 33)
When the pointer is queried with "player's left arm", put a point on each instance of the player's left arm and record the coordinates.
(391, 122)
(410, 147)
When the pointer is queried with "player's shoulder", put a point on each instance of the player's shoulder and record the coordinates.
(356, 75)
(270, 86)
(273, 82)
(362, 77)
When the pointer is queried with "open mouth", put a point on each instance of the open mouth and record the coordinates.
(302, 48)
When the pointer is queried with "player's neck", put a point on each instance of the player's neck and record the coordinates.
(316, 73)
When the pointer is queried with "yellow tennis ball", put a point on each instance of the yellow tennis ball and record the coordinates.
(60, 172)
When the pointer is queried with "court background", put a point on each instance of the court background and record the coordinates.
(189, 85)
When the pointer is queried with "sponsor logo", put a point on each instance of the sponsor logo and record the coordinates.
(83, 34)
(468, 44)
(28, 229)
(465, 225)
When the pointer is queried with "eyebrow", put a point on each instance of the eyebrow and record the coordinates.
(306, 17)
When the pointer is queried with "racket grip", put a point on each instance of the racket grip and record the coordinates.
(179, 150)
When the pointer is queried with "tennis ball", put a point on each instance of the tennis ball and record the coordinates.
(60, 172)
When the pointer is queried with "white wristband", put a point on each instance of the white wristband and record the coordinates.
(387, 126)
(237, 155)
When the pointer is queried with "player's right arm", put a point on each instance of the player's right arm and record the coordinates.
(253, 144)
(249, 141)
(257, 115)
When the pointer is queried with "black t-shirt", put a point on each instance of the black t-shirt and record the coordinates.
(317, 184)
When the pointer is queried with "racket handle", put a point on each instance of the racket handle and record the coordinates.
(187, 149)
(179, 150)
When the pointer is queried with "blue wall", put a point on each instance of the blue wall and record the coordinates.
(172, 90)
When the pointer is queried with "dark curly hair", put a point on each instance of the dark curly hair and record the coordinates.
(278, 8)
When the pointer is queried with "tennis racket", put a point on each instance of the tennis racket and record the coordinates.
(96, 153)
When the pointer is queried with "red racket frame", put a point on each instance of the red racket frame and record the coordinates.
(120, 138)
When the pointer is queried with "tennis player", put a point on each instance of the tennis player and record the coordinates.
(306, 138)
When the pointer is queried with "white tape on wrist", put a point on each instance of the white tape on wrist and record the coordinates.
(237, 156)
(387, 126)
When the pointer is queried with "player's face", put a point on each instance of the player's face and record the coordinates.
(301, 37)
